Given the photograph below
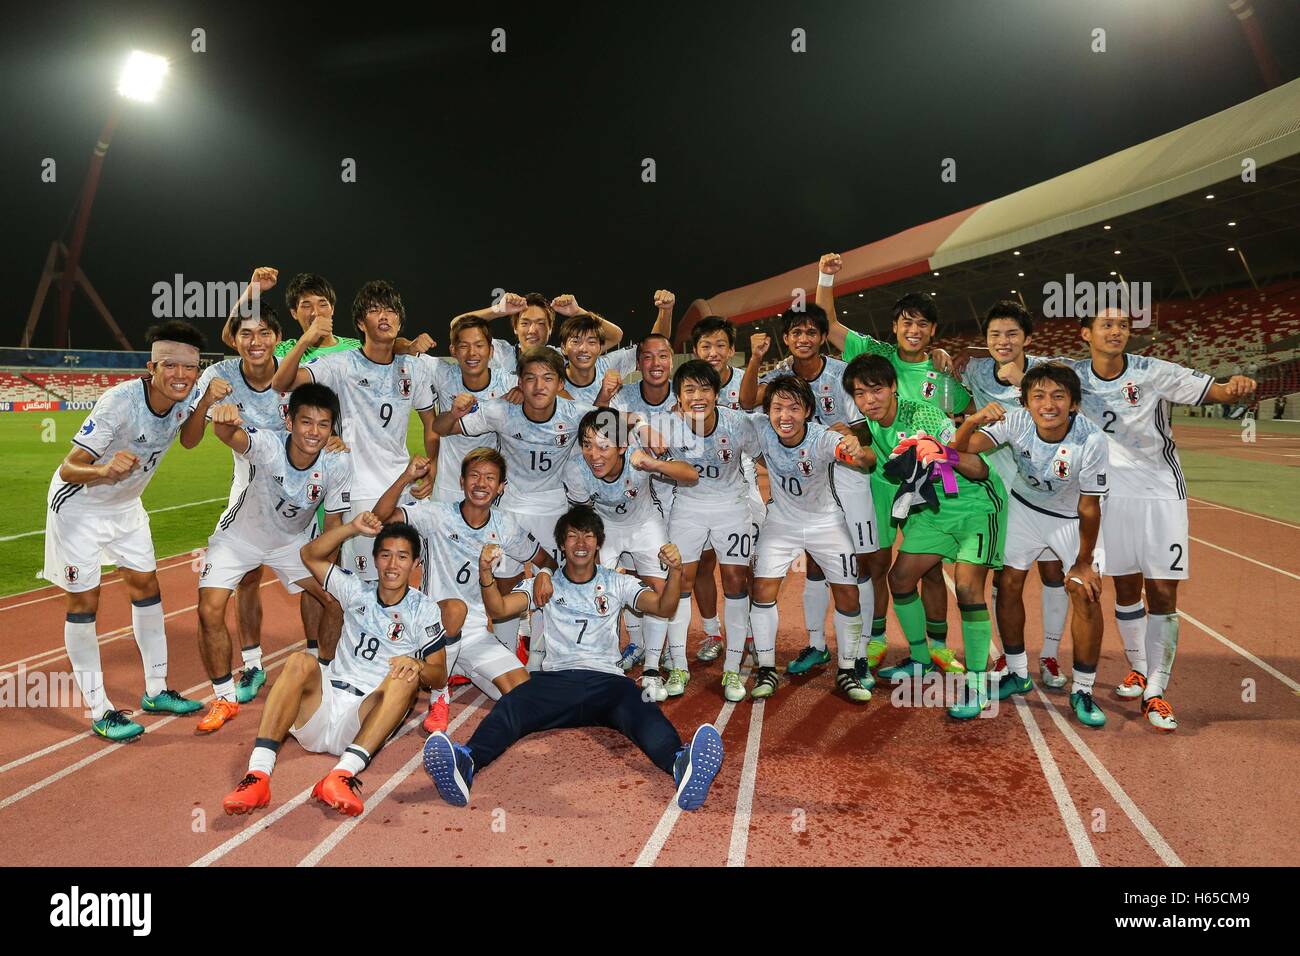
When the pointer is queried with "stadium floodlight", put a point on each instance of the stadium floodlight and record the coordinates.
(1232, 248)
(1232, 224)
(1016, 253)
(142, 76)
(1116, 252)
(1020, 274)
(936, 273)
(1107, 228)
(1209, 195)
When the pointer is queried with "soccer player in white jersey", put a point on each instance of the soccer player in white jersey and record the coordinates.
(714, 512)
(377, 391)
(804, 334)
(1144, 523)
(614, 476)
(394, 639)
(1008, 328)
(1054, 502)
(804, 515)
(591, 375)
(580, 683)
(286, 477)
(95, 513)
(532, 318)
(455, 533)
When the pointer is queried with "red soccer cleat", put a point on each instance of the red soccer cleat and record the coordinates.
(457, 680)
(521, 650)
(339, 789)
(435, 721)
(254, 791)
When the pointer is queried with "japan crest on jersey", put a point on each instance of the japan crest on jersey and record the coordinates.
(602, 604)
(828, 403)
(404, 386)
(560, 437)
(1131, 393)
(1061, 463)
(927, 390)
(395, 631)
(71, 573)
(805, 467)
(314, 493)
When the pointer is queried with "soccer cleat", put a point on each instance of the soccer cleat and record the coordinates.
(253, 791)
(450, 767)
(1159, 713)
(435, 721)
(521, 648)
(633, 655)
(168, 702)
(733, 688)
(808, 658)
(998, 668)
(339, 789)
(749, 651)
(115, 726)
(1013, 684)
(1086, 710)
(946, 660)
(974, 699)
(221, 711)
(847, 683)
(457, 680)
(906, 669)
(677, 681)
(1050, 673)
(862, 671)
(696, 766)
(1133, 686)
(764, 683)
(710, 649)
(652, 687)
(876, 648)
(251, 680)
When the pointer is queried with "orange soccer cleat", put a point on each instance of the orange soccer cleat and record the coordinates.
(435, 721)
(339, 789)
(217, 715)
(253, 791)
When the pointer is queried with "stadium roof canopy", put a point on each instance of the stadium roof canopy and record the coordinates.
(1164, 204)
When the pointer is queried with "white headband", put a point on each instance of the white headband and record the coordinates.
(165, 350)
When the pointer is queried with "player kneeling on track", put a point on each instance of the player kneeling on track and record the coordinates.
(1055, 509)
(579, 683)
(288, 477)
(394, 639)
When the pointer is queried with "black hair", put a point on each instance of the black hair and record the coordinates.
(1007, 309)
(398, 529)
(603, 421)
(584, 323)
(315, 395)
(792, 386)
(812, 314)
(871, 371)
(1086, 321)
(1062, 375)
(175, 330)
(466, 322)
(923, 305)
(644, 340)
(377, 294)
(579, 518)
(484, 453)
(698, 371)
(543, 354)
(708, 326)
(308, 283)
(265, 312)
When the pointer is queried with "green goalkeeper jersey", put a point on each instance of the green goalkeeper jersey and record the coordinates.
(917, 381)
(341, 345)
(914, 418)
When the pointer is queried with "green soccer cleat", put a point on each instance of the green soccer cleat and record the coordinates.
(251, 680)
(733, 688)
(975, 698)
(765, 683)
(808, 658)
(1086, 709)
(876, 652)
(945, 659)
(677, 681)
(1013, 684)
(847, 683)
(115, 726)
(906, 669)
(169, 702)
(862, 671)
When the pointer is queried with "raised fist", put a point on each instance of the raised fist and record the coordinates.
(366, 523)
(670, 556)
(264, 279)
(512, 303)
(417, 468)
(322, 327)
(463, 404)
(227, 414)
(119, 466)
(566, 305)
(990, 413)
(759, 343)
(641, 460)
(664, 299)
(831, 263)
(420, 344)
(217, 389)
(489, 558)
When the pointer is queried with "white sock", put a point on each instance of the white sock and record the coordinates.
(1056, 604)
(252, 657)
(263, 759)
(313, 649)
(354, 760)
(763, 619)
(634, 623)
(816, 601)
(82, 643)
(1018, 663)
(866, 601)
(1082, 680)
(678, 625)
(711, 626)
(735, 610)
(536, 640)
(439, 694)
(655, 630)
(1130, 619)
(848, 638)
(151, 638)
(1162, 647)
(223, 688)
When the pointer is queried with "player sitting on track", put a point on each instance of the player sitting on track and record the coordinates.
(613, 476)
(1055, 508)
(804, 516)
(455, 534)
(922, 376)
(95, 512)
(967, 528)
(591, 375)
(1144, 524)
(714, 441)
(804, 334)
(580, 684)
(287, 476)
(394, 639)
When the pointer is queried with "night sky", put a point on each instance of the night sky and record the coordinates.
(522, 170)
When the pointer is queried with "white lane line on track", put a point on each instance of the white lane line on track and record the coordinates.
(184, 559)
(389, 785)
(1248, 514)
(109, 748)
(262, 823)
(1242, 651)
(188, 504)
(745, 795)
(1293, 577)
(1083, 848)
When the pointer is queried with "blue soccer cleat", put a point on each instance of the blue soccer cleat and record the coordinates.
(451, 768)
(633, 655)
(696, 766)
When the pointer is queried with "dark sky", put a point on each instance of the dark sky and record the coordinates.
(523, 170)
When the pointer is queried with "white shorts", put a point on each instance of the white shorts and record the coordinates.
(1034, 535)
(696, 526)
(228, 559)
(640, 542)
(1144, 534)
(357, 553)
(542, 528)
(78, 542)
(334, 725)
(825, 539)
(853, 488)
(482, 655)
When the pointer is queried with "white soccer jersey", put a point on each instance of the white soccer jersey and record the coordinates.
(717, 457)
(980, 379)
(535, 452)
(628, 500)
(631, 398)
(1133, 410)
(375, 404)
(834, 405)
(448, 383)
(581, 620)
(799, 476)
(505, 355)
(729, 393)
(622, 361)
(1050, 476)
(374, 633)
(264, 409)
(278, 503)
(120, 421)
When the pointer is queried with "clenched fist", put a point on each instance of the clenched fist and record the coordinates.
(670, 556)
(119, 466)
(566, 305)
(664, 299)
(217, 389)
(366, 523)
(759, 343)
(830, 263)
(227, 414)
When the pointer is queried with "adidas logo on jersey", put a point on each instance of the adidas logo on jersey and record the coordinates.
(364, 383)
(279, 479)
(517, 436)
(143, 438)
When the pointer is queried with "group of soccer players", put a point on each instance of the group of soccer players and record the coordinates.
(556, 506)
